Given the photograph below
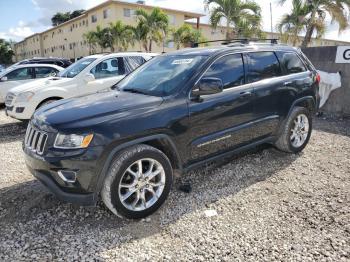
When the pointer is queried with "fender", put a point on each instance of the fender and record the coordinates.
(303, 99)
(119, 148)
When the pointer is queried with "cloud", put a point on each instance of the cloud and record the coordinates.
(19, 32)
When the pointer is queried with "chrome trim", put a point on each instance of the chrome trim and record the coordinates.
(65, 179)
(35, 140)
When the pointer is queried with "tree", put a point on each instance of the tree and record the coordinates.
(60, 18)
(139, 34)
(318, 9)
(91, 39)
(155, 25)
(186, 35)
(6, 52)
(121, 35)
(235, 12)
(292, 24)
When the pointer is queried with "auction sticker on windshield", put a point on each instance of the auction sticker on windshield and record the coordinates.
(182, 61)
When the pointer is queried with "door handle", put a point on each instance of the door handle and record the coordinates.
(246, 94)
(288, 83)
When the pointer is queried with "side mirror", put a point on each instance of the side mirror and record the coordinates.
(89, 78)
(3, 79)
(208, 86)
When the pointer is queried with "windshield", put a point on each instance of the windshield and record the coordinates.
(74, 69)
(162, 75)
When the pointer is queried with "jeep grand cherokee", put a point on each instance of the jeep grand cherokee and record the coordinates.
(176, 112)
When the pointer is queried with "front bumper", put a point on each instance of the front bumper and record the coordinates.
(85, 163)
(26, 112)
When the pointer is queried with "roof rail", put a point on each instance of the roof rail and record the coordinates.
(242, 41)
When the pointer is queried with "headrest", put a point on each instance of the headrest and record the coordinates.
(104, 66)
(114, 63)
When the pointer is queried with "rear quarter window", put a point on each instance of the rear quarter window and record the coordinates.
(291, 62)
(263, 65)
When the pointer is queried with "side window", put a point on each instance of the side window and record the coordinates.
(42, 72)
(292, 63)
(263, 65)
(109, 68)
(230, 69)
(20, 74)
(133, 62)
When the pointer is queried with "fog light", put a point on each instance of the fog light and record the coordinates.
(67, 176)
(19, 109)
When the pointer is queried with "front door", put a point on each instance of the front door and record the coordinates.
(221, 121)
(107, 73)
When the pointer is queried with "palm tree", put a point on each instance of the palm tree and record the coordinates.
(233, 11)
(318, 9)
(103, 37)
(155, 25)
(90, 38)
(139, 34)
(121, 36)
(186, 35)
(292, 24)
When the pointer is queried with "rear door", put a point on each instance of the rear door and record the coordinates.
(43, 72)
(270, 92)
(221, 121)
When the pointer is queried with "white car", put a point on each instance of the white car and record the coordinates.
(23, 74)
(89, 75)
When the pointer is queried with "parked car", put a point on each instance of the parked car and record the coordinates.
(88, 75)
(174, 113)
(22, 74)
(62, 62)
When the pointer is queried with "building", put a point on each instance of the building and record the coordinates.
(66, 39)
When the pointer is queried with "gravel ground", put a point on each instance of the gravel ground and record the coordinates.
(270, 206)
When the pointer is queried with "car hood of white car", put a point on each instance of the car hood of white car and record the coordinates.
(42, 83)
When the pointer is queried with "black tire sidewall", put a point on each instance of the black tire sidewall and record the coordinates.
(294, 115)
(116, 202)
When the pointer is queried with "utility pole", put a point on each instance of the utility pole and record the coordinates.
(271, 20)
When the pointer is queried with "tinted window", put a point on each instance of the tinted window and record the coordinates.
(108, 68)
(292, 63)
(133, 62)
(263, 65)
(229, 69)
(41, 72)
(20, 74)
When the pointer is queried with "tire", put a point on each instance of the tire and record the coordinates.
(122, 179)
(286, 142)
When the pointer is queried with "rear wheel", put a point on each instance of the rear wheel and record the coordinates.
(296, 131)
(138, 182)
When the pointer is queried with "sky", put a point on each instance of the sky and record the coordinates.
(21, 18)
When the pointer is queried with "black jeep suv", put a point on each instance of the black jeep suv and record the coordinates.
(174, 113)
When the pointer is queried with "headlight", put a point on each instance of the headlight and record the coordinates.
(72, 141)
(24, 97)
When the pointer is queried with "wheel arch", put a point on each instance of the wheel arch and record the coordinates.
(48, 99)
(307, 102)
(160, 141)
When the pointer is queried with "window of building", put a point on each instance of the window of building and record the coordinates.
(106, 13)
(172, 19)
(263, 65)
(291, 63)
(93, 19)
(129, 12)
(230, 69)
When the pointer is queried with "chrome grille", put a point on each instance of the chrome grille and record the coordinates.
(9, 98)
(35, 140)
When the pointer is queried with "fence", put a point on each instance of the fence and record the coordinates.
(323, 59)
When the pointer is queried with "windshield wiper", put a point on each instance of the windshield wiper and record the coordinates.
(136, 91)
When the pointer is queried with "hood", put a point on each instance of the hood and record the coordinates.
(36, 85)
(94, 109)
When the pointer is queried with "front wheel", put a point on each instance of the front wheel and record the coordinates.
(138, 182)
(296, 131)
